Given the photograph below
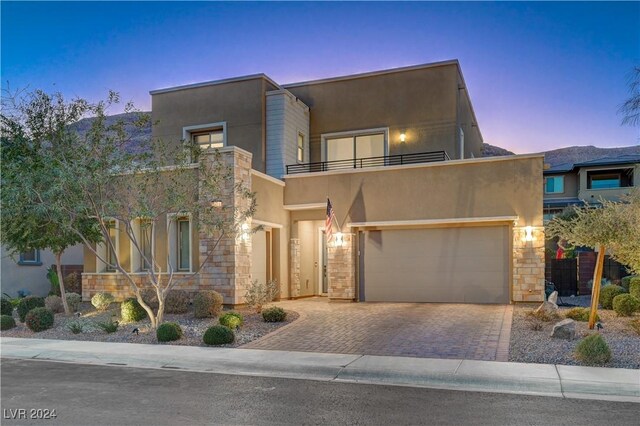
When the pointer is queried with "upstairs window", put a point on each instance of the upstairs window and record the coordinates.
(554, 184)
(609, 179)
(300, 148)
(364, 144)
(31, 257)
(209, 139)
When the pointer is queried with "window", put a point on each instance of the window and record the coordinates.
(184, 246)
(554, 184)
(209, 139)
(141, 259)
(300, 152)
(610, 179)
(110, 252)
(31, 257)
(363, 145)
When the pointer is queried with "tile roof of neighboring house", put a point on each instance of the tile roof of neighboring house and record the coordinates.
(604, 161)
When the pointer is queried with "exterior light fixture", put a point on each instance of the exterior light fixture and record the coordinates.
(244, 232)
(216, 203)
(403, 137)
(339, 239)
(528, 233)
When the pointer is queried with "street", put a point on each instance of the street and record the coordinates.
(113, 395)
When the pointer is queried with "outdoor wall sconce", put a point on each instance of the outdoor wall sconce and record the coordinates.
(528, 233)
(403, 137)
(244, 232)
(339, 239)
(216, 204)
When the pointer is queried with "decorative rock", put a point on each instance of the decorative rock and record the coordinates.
(553, 298)
(547, 307)
(565, 329)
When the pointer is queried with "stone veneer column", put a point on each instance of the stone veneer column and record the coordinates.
(295, 268)
(341, 269)
(528, 266)
(228, 269)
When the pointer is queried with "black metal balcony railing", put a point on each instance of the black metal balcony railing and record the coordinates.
(359, 163)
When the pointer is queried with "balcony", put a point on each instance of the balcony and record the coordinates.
(360, 163)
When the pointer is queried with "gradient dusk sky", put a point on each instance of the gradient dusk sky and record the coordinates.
(541, 75)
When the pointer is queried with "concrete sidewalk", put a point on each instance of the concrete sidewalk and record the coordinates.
(613, 384)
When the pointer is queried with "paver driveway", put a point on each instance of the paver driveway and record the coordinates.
(429, 330)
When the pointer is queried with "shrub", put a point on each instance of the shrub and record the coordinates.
(580, 314)
(6, 307)
(635, 325)
(76, 327)
(54, 303)
(634, 287)
(168, 332)
(150, 297)
(218, 335)
(543, 315)
(102, 301)
(259, 294)
(28, 303)
(131, 311)
(73, 300)
(6, 322)
(52, 276)
(626, 281)
(608, 293)
(176, 302)
(73, 283)
(274, 314)
(39, 319)
(110, 326)
(625, 305)
(232, 320)
(207, 303)
(593, 350)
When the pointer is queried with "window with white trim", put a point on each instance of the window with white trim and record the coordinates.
(300, 148)
(141, 257)
(108, 251)
(180, 238)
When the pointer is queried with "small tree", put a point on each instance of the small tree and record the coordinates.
(36, 138)
(120, 183)
(614, 227)
(630, 109)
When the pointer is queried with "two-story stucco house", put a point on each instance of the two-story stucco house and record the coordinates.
(420, 216)
(589, 182)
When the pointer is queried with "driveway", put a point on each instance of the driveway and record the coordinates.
(426, 330)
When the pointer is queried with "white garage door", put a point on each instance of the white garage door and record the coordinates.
(454, 265)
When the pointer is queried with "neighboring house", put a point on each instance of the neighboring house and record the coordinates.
(421, 218)
(28, 271)
(589, 182)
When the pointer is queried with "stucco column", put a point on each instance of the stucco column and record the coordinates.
(341, 269)
(528, 265)
(228, 269)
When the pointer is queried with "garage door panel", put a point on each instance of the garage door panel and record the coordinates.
(437, 265)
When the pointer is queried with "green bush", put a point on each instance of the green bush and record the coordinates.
(232, 320)
(218, 335)
(76, 327)
(176, 302)
(39, 319)
(634, 287)
(6, 307)
(626, 281)
(28, 303)
(207, 304)
(593, 350)
(131, 311)
(54, 303)
(110, 326)
(625, 305)
(543, 315)
(102, 301)
(580, 314)
(73, 300)
(274, 314)
(6, 322)
(608, 293)
(168, 332)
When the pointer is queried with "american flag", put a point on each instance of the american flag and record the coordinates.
(328, 225)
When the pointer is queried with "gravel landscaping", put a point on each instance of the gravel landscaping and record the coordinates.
(193, 329)
(528, 345)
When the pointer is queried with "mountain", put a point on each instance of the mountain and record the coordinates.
(572, 154)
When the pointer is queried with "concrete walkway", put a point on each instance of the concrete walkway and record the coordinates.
(471, 375)
(423, 330)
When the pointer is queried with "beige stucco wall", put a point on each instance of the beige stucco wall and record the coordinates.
(510, 186)
(595, 195)
(241, 104)
(421, 102)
